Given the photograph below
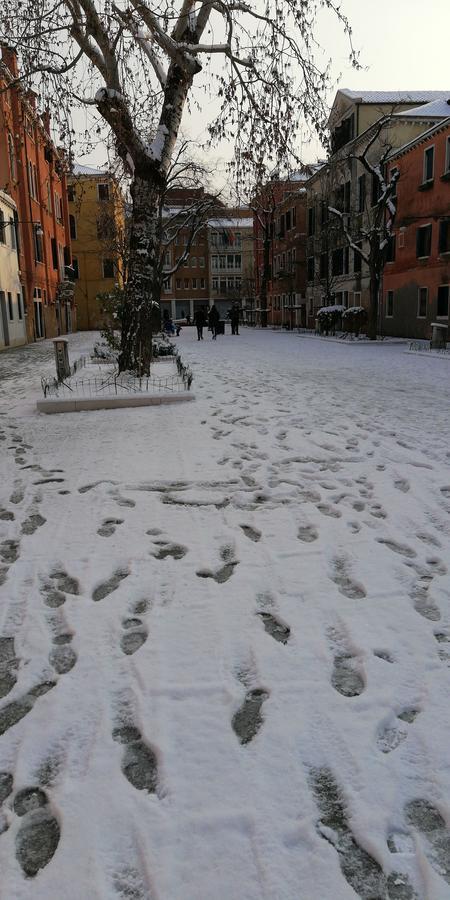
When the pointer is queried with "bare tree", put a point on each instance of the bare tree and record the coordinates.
(369, 231)
(136, 63)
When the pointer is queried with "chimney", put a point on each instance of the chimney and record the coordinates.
(9, 58)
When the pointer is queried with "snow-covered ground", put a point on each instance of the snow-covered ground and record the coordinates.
(225, 631)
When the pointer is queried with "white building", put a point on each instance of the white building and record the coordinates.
(12, 321)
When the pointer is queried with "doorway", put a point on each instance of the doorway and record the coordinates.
(4, 319)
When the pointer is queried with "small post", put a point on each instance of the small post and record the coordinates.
(61, 346)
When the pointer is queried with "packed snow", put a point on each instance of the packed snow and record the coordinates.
(225, 630)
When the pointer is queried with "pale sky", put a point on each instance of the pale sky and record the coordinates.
(403, 44)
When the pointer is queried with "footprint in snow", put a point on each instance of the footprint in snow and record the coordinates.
(307, 533)
(38, 836)
(16, 710)
(139, 762)
(391, 736)
(108, 527)
(347, 586)
(401, 549)
(402, 484)
(346, 677)
(278, 630)
(363, 873)
(247, 721)
(107, 587)
(225, 572)
(166, 549)
(32, 523)
(135, 635)
(6, 515)
(9, 551)
(8, 665)
(428, 821)
(252, 533)
(62, 657)
(328, 510)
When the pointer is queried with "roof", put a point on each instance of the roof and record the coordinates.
(439, 126)
(437, 109)
(230, 223)
(405, 96)
(88, 170)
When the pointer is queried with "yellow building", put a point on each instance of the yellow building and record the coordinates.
(97, 233)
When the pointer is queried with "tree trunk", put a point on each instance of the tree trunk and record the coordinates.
(143, 288)
(374, 289)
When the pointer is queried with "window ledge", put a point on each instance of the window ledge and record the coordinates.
(426, 185)
(422, 258)
(446, 176)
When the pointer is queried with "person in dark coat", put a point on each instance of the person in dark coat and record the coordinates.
(234, 316)
(199, 321)
(213, 320)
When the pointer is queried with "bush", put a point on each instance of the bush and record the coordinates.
(354, 319)
(328, 317)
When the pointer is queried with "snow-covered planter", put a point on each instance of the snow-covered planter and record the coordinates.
(162, 346)
(329, 318)
(354, 319)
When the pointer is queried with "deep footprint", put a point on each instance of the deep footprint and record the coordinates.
(247, 721)
(401, 549)
(423, 816)
(362, 871)
(139, 763)
(108, 527)
(65, 582)
(176, 551)
(275, 628)
(15, 711)
(346, 677)
(8, 665)
(39, 834)
(9, 551)
(62, 658)
(133, 639)
(252, 533)
(107, 587)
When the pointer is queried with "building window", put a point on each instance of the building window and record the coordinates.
(70, 193)
(390, 249)
(186, 284)
(442, 301)
(202, 284)
(324, 265)
(288, 220)
(311, 221)
(237, 261)
(310, 266)
(422, 303)
(346, 260)
(194, 284)
(167, 284)
(361, 193)
(76, 273)
(20, 306)
(215, 284)
(423, 241)
(389, 304)
(444, 236)
(103, 192)
(12, 231)
(428, 164)
(108, 267)
(324, 212)
(230, 262)
(447, 156)
(72, 227)
(214, 262)
(201, 262)
(2, 228)
(10, 307)
(337, 261)
(58, 208)
(12, 157)
(357, 298)
(178, 284)
(193, 261)
(401, 239)
(167, 258)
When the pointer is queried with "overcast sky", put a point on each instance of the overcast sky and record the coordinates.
(403, 44)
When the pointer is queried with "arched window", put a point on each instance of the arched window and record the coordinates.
(12, 157)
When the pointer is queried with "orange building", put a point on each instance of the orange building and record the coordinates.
(416, 282)
(32, 172)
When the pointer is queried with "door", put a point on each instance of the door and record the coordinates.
(38, 319)
(4, 318)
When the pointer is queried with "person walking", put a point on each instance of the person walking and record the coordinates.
(234, 316)
(199, 321)
(213, 320)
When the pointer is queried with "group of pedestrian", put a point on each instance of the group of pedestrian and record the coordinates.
(213, 318)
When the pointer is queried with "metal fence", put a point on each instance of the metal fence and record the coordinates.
(424, 347)
(112, 385)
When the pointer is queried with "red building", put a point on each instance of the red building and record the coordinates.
(416, 282)
(287, 288)
(32, 172)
